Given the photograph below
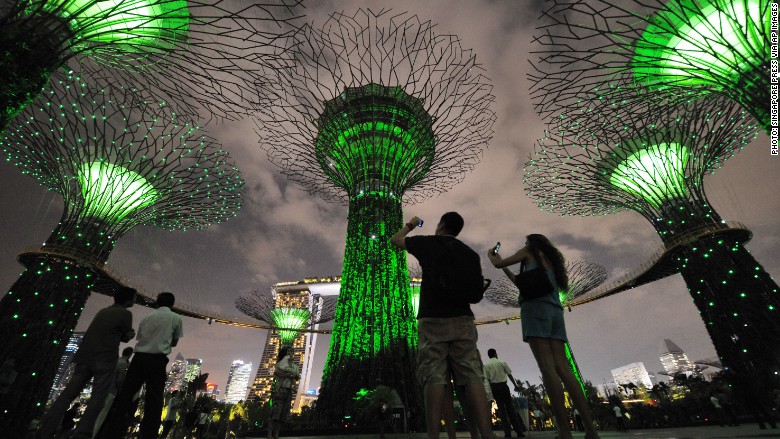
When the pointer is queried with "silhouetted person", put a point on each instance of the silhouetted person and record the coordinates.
(285, 374)
(170, 416)
(96, 359)
(497, 372)
(157, 333)
(447, 336)
(620, 424)
(119, 378)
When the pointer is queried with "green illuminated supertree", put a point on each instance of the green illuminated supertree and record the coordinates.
(651, 156)
(204, 54)
(118, 161)
(708, 46)
(378, 109)
(289, 320)
(583, 277)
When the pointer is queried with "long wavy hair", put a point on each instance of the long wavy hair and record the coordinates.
(539, 244)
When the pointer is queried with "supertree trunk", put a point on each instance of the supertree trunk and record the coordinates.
(374, 334)
(738, 302)
(575, 369)
(39, 313)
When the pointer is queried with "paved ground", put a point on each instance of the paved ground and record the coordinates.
(744, 431)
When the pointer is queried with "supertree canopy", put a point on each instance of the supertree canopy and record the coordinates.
(288, 318)
(651, 157)
(377, 109)
(205, 55)
(583, 277)
(707, 46)
(118, 161)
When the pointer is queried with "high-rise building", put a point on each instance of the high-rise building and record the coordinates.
(301, 294)
(238, 382)
(675, 361)
(65, 369)
(192, 369)
(175, 379)
(632, 373)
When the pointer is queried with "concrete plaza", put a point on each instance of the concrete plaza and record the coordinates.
(743, 431)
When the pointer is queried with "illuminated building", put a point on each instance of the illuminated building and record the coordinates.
(65, 369)
(404, 115)
(317, 296)
(175, 380)
(634, 373)
(238, 382)
(675, 361)
(119, 160)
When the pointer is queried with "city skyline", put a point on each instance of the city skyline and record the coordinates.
(284, 234)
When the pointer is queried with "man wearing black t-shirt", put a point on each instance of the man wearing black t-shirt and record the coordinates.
(447, 335)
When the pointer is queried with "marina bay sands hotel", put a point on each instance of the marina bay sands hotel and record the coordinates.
(299, 294)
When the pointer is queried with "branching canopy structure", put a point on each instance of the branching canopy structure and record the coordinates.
(707, 46)
(289, 320)
(583, 277)
(651, 157)
(118, 161)
(376, 109)
(204, 55)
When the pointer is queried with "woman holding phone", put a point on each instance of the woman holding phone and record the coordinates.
(544, 329)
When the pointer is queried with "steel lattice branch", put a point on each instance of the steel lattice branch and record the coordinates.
(705, 46)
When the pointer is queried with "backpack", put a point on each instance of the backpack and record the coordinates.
(458, 272)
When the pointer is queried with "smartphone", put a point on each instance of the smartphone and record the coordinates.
(495, 249)
(420, 223)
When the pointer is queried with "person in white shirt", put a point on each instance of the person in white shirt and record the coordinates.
(157, 333)
(497, 372)
(620, 424)
(170, 416)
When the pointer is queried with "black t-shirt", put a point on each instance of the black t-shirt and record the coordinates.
(434, 303)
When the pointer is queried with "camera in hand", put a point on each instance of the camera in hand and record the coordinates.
(420, 223)
(495, 249)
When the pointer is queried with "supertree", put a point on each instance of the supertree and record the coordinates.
(118, 161)
(288, 317)
(717, 47)
(651, 156)
(377, 109)
(583, 277)
(203, 55)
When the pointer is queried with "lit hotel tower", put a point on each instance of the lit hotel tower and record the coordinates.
(675, 361)
(318, 297)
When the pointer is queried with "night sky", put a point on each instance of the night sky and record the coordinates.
(284, 234)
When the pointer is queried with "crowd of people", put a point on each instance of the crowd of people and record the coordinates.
(117, 380)
(448, 359)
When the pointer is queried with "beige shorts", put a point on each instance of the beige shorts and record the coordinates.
(448, 344)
